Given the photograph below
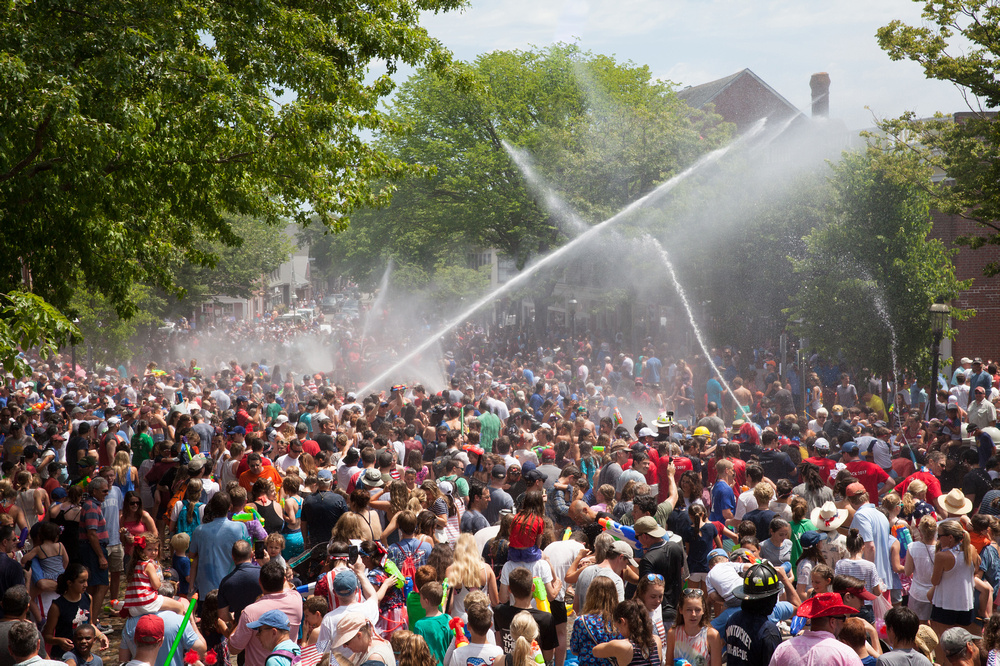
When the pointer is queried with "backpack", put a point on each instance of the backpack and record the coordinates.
(185, 522)
(293, 659)
(408, 567)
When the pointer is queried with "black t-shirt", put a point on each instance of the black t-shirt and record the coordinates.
(73, 448)
(504, 614)
(977, 482)
(762, 519)
(325, 442)
(750, 639)
(321, 511)
(776, 465)
(668, 561)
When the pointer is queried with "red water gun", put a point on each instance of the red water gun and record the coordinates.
(458, 625)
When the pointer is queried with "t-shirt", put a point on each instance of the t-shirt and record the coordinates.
(762, 519)
(93, 661)
(281, 660)
(750, 639)
(870, 475)
(171, 625)
(723, 498)
(504, 614)
(473, 521)
(475, 654)
(436, 633)
(902, 658)
(977, 483)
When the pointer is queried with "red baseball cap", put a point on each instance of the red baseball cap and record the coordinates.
(149, 629)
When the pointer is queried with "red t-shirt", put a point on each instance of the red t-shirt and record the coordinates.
(525, 530)
(903, 467)
(869, 475)
(661, 469)
(933, 485)
(825, 467)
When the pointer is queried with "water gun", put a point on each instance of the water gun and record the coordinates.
(391, 569)
(478, 450)
(458, 626)
(408, 586)
(682, 662)
(798, 623)
(537, 653)
(598, 449)
(567, 534)
(306, 589)
(541, 596)
(247, 516)
(444, 593)
(191, 657)
(621, 532)
(902, 533)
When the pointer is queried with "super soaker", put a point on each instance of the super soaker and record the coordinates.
(621, 532)
(541, 596)
(391, 569)
(458, 626)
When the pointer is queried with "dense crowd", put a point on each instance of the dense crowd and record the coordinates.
(755, 515)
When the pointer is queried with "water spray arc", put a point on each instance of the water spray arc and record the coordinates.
(553, 257)
(383, 288)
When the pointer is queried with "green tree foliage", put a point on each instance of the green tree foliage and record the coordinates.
(873, 262)
(112, 338)
(131, 130)
(957, 42)
(602, 132)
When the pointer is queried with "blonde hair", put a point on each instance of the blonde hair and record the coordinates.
(607, 495)
(467, 567)
(954, 529)
(180, 542)
(123, 467)
(891, 502)
(927, 527)
(763, 492)
(916, 490)
(349, 526)
(523, 632)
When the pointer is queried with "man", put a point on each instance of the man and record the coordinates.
(241, 586)
(170, 625)
(872, 477)
(874, 529)
(930, 475)
(274, 598)
(609, 473)
(11, 571)
(981, 411)
(819, 645)
(961, 648)
(960, 390)
(533, 481)
(356, 635)
(479, 498)
(751, 637)
(93, 549)
(15, 609)
(662, 557)
(776, 464)
(344, 601)
(836, 425)
(24, 642)
(980, 378)
(847, 395)
(612, 558)
(321, 510)
(901, 626)
(977, 480)
(258, 470)
(818, 450)
(548, 467)
(111, 508)
(212, 545)
(723, 497)
(499, 500)
(272, 630)
(964, 368)
(521, 591)
(291, 457)
(561, 498)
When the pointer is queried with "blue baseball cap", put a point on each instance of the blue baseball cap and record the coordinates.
(850, 448)
(345, 583)
(716, 552)
(272, 618)
(325, 475)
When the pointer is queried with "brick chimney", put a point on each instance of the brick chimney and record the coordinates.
(819, 84)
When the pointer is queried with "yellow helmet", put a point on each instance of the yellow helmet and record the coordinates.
(702, 431)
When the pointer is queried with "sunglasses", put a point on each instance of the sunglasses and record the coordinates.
(654, 578)
(694, 592)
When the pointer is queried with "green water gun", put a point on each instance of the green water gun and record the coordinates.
(444, 594)
(391, 569)
(541, 596)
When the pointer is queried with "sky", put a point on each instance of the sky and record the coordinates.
(690, 42)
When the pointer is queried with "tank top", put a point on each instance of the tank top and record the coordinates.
(128, 485)
(135, 528)
(72, 614)
(955, 591)
(693, 648)
(26, 502)
(638, 660)
(923, 568)
(460, 594)
(139, 591)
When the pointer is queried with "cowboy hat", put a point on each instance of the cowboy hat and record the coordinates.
(955, 502)
(828, 518)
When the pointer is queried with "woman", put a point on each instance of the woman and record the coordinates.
(692, 638)
(862, 569)
(495, 550)
(32, 500)
(411, 649)
(448, 509)
(813, 488)
(350, 528)
(625, 505)
(360, 505)
(9, 504)
(265, 501)
(391, 502)
(126, 476)
(441, 557)
(639, 646)
(134, 521)
(919, 565)
(800, 524)
(189, 512)
(468, 572)
(71, 609)
(145, 467)
(915, 505)
(292, 512)
(66, 515)
(955, 564)
(596, 624)
(691, 489)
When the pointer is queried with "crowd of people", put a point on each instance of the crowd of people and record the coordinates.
(235, 513)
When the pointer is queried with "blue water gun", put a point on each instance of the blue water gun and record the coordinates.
(622, 533)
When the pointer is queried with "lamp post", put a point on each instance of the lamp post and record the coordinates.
(939, 319)
(571, 304)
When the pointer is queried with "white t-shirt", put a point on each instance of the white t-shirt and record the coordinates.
(176, 512)
(745, 503)
(539, 569)
(328, 628)
(474, 654)
(724, 579)
(561, 555)
(208, 489)
(344, 474)
(286, 461)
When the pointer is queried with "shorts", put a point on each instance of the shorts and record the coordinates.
(955, 618)
(921, 608)
(558, 609)
(697, 577)
(145, 609)
(116, 558)
(89, 559)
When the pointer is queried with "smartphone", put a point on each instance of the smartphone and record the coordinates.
(21, 461)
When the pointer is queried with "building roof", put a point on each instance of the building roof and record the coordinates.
(699, 96)
(742, 98)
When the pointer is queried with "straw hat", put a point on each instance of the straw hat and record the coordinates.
(828, 518)
(955, 502)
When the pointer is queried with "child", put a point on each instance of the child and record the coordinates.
(392, 607)
(180, 562)
(214, 629)
(853, 635)
(83, 641)
(312, 617)
(187, 514)
(821, 579)
(702, 538)
(810, 557)
(273, 545)
(750, 543)
(606, 494)
(526, 530)
(51, 557)
(691, 637)
(777, 549)
(901, 627)
(414, 607)
(479, 650)
(434, 625)
(144, 580)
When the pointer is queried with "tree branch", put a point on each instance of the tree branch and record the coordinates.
(35, 151)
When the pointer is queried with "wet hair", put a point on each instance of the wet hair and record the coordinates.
(640, 627)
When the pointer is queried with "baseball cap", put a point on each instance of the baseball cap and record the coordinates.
(648, 525)
(977, 360)
(197, 463)
(533, 476)
(716, 552)
(345, 582)
(499, 472)
(622, 548)
(954, 640)
(548, 454)
(821, 444)
(238, 430)
(148, 630)
(281, 418)
(646, 432)
(324, 475)
(273, 618)
(980, 389)
(854, 489)
(850, 448)
(837, 409)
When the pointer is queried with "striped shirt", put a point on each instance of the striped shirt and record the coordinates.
(139, 591)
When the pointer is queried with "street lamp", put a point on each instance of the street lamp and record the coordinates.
(939, 319)
(572, 303)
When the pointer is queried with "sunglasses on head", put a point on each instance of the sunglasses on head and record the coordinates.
(654, 578)
(693, 592)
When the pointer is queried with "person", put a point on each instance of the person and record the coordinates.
(595, 623)
(240, 587)
(82, 654)
(321, 510)
(357, 635)
(272, 631)
(468, 572)
(24, 643)
(478, 650)
(818, 645)
(473, 519)
(723, 497)
(93, 550)
(863, 569)
(433, 627)
(521, 589)
(962, 648)
(692, 637)
(524, 639)
(955, 564)
(751, 637)
(70, 609)
(144, 578)
(190, 639)
(275, 599)
(901, 626)
(212, 544)
(874, 528)
(639, 645)
(15, 608)
(919, 565)
(650, 592)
